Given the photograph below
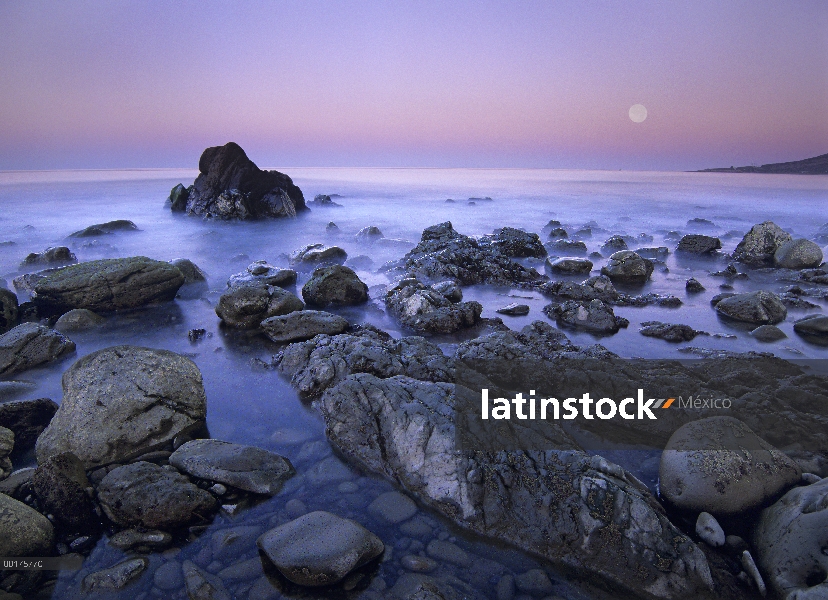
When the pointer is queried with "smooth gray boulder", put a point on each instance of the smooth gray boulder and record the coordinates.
(30, 345)
(798, 254)
(594, 316)
(262, 274)
(695, 243)
(392, 507)
(768, 333)
(146, 495)
(369, 234)
(245, 307)
(108, 284)
(25, 531)
(303, 325)
(569, 265)
(334, 285)
(424, 310)
(319, 548)
(8, 310)
(719, 465)
(812, 325)
(78, 319)
(244, 467)
(317, 255)
(122, 402)
(192, 272)
(759, 245)
(105, 228)
(627, 267)
(27, 419)
(58, 255)
(762, 308)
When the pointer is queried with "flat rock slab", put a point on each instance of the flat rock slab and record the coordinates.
(243, 467)
(30, 345)
(319, 548)
(303, 325)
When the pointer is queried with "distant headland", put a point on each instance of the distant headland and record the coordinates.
(818, 165)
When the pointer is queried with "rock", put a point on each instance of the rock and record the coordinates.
(709, 530)
(146, 495)
(108, 284)
(25, 531)
(594, 316)
(202, 585)
(27, 419)
(317, 255)
(105, 228)
(515, 243)
(659, 253)
(627, 267)
(719, 465)
(60, 485)
(8, 310)
(231, 186)
(178, 198)
(132, 539)
(78, 319)
(331, 228)
(698, 244)
(535, 583)
(262, 274)
(18, 485)
(115, 578)
(750, 568)
(564, 247)
(599, 287)
(719, 297)
(668, 331)
(303, 325)
(759, 245)
(244, 467)
(449, 289)
(514, 310)
(191, 271)
(790, 539)
(754, 307)
(30, 345)
(569, 265)
(418, 564)
(798, 254)
(424, 310)
(392, 507)
(558, 232)
(58, 255)
(698, 223)
(319, 548)
(169, 577)
(334, 286)
(812, 325)
(246, 306)
(404, 429)
(768, 333)
(360, 263)
(693, 286)
(614, 244)
(449, 553)
(369, 234)
(122, 402)
(6, 447)
(538, 341)
(324, 201)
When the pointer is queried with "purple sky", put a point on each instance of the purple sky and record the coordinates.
(446, 84)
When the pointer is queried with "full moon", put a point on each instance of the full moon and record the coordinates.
(638, 112)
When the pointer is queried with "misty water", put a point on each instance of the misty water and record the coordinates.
(252, 405)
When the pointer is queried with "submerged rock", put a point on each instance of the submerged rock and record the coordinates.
(754, 307)
(245, 307)
(693, 286)
(317, 255)
(78, 319)
(262, 274)
(335, 286)
(768, 333)
(116, 577)
(698, 244)
(668, 331)
(201, 585)
(798, 254)
(105, 228)
(514, 310)
(369, 234)
(8, 310)
(58, 255)
(759, 245)
(569, 265)
(303, 325)
(564, 247)
(627, 267)
(594, 316)
(324, 201)
(515, 243)
(30, 345)
(614, 244)
(425, 310)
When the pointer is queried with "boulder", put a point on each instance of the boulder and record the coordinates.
(369, 234)
(614, 244)
(798, 254)
(324, 201)
(108, 284)
(201, 585)
(812, 325)
(25, 531)
(790, 541)
(594, 316)
(178, 197)
(122, 402)
(693, 286)
(759, 245)
(768, 333)
(424, 310)
(515, 243)
(564, 247)
(245, 307)
(303, 325)
(59, 255)
(659, 253)
(668, 331)
(627, 267)
(78, 319)
(698, 244)
(762, 308)
(558, 232)
(30, 345)
(514, 310)
(60, 485)
(334, 286)
(8, 310)
(230, 186)
(191, 271)
(105, 229)
(598, 287)
(146, 495)
(27, 419)
(319, 548)
(719, 465)
(317, 255)
(569, 265)
(449, 289)
(537, 341)
(262, 274)
(244, 467)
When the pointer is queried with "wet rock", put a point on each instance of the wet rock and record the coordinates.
(105, 228)
(334, 286)
(27, 419)
(698, 244)
(30, 345)
(245, 307)
(564, 247)
(447, 552)
(262, 274)
(303, 325)
(78, 319)
(790, 542)
(730, 273)
(693, 286)
(536, 341)
(449, 289)
(768, 333)
(319, 548)
(178, 197)
(18, 485)
(759, 245)
(698, 223)
(144, 494)
(317, 255)
(558, 232)
(649, 299)
(418, 564)
(108, 284)
(60, 484)
(393, 507)
(122, 402)
(25, 531)
(598, 287)
(169, 576)
(614, 244)
(719, 297)
(668, 331)
(535, 583)
(796, 301)
(8, 310)
(202, 585)
(115, 578)
(594, 316)
(191, 271)
(569, 265)
(231, 186)
(709, 530)
(369, 234)
(324, 201)
(812, 325)
(719, 465)
(627, 267)
(750, 568)
(58, 255)
(515, 243)
(798, 254)
(130, 539)
(659, 254)
(243, 467)
(424, 310)
(762, 308)
(6, 447)
(819, 276)
(360, 263)
(514, 310)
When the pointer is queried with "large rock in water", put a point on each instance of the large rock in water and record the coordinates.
(798, 254)
(30, 345)
(594, 316)
(790, 542)
(759, 245)
(60, 255)
(231, 186)
(105, 228)
(719, 465)
(515, 243)
(404, 429)
(627, 267)
(25, 531)
(335, 286)
(762, 308)
(262, 274)
(124, 401)
(245, 307)
(695, 243)
(426, 310)
(108, 284)
(812, 325)
(303, 325)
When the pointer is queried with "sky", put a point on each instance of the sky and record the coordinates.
(548, 84)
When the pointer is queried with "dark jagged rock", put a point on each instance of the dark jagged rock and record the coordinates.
(730, 272)
(27, 419)
(698, 244)
(449, 289)
(8, 310)
(761, 243)
(231, 186)
(105, 228)
(563, 247)
(818, 276)
(569, 265)
(178, 198)
(303, 325)
(514, 309)
(558, 232)
(593, 316)
(614, 244)
(515, 243)
(245, 307)
(598, 287)
(668, 331)
(628, 267)
(60, 484)
(58, 255)
(317, 255)
(324, 201)
(30, 345)
(659, 253)
(425, 310)
(812, 325)
(693, 286)
(262, 274)
(539, 340)
(755, 307)
(648, 299)
(335, 286)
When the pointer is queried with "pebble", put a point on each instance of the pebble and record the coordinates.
(448, 552)
(393, 508)
(347, 487)
(709, 530)
(418, 564)
(750, 568)
(218, 489)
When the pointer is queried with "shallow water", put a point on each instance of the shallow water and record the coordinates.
(255, 406)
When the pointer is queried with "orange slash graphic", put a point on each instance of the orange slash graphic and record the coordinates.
(668, 403)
